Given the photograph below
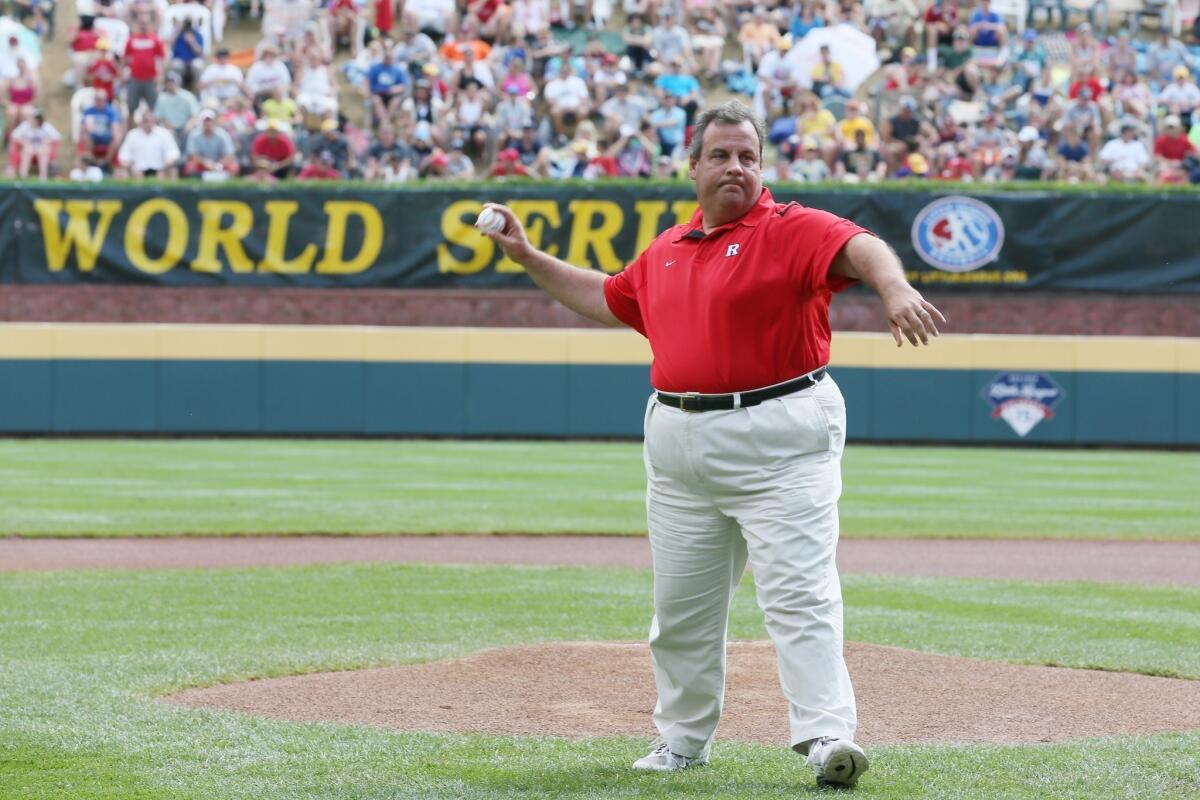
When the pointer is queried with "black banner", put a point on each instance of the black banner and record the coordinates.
(358, 237)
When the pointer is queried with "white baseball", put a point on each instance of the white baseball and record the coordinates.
(490, 221)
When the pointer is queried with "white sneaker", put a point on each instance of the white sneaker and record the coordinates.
(661, 759)
(837, 762)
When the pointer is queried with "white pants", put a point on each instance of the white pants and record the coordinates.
(761, 482)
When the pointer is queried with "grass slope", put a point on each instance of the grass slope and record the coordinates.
(122, 487)
(83, 654)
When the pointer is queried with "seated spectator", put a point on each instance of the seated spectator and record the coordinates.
(1073, 157)
(1121, 57)
(679, 82)
(1171, 148)
(471, 114)
(817, 124)
(472, 69)
(221, 81)
(33, 141)
(83, 49)
(455, 49)
(670, 124)
(914, 164)
(1084, 115)
(238, 118)
(513, 112)
(708, 34)
(320, 168)
(670, 40)
(904, 133)
(175, 107)
(149, 149)
(891, 23)
(989, 34)
(1004, 170)
(988, 143)
(1131, 97)
(488, 17)
(434, 18)
(282, 109)
(187, 52)
(266, 75)
(1164, 55)
(316, 94)
(262, 171)
(414, 49)
(209, 149)
(861, 163)
(637, 43)
(828, 77)
(567, 98)
(273, 148)
(1125, 158)
(423, 106)
(387, 149)
(903, 75)
(99, 133)
(942, 18)
(508, 165)
(953, 163)
(624, 108)
(1033, 161)
(1085, 50)
(805, 17)
(1181, 96)
(778, 80)
(459, 166)
(330, 140)
(855, 121)
(632, 153)
(529, 18)
(343, 21)
(757, 36)
(387, 85)
(531, 152)
(517, 79)
(1029, 61)
(812, 166)
(606, 78)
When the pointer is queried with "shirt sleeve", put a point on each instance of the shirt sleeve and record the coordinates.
(621, 294)
(818, 237)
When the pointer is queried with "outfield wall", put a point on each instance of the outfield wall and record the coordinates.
(345, 380)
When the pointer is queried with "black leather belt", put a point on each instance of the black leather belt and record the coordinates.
(723, 402)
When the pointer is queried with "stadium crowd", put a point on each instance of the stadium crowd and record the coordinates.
(405, 90)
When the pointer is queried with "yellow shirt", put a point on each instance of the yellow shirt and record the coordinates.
(828, 73)
(851, 126)
(280, 110)
(820, 124)
(766, 33)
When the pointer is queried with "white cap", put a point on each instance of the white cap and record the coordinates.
(1028, 134)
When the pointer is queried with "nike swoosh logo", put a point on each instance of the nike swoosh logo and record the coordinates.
(669, 263)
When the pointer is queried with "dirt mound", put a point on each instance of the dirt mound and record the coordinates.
(588, 689)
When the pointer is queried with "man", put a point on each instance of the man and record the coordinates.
(744, 433)
(386, 84)
(176, 107)
(99, 131)
(34, 141)
(1181, 96)
(209, 149)
(221, 81)
(568, 98)
(266, 74)
(1126, 158)
(149, 149)
(273, 148)
(144, 56)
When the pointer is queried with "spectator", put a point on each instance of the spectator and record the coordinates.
(144, 57)
(1172, 147)
(414, 48)
(903, 133)
(387, 149)
(422, 107)
(344, 21)
(275, 150)
(892, 23)
(861, 163)
(854, 122)
(567, 98)
(471, 115)
(34, 140)
(606, 78)
(209, 149)
(83, 49)
(1181, 96)
(434, 18)
(637, 43)
(942, 18)
(508, 165)
(512, 113)
(99, 133)
(1085, 50)
(632, 152)
(758, 36)
(149, 150)
(316, 94)
(1073, 153)
(529, 18)
(1084, 115)
(678, 81)
(708, 35)
(670, 40)
(386, 85)
(623, 109)
(238, 119)
(221, 81)
(320, 168)
(1121, 57)
(812, 166)
(988, 144)
(989, 35)
(187, 52)
(24, 90)
(1033, 161)
(474, 69)
(670, 124)
(459, 166)
(103, 71)
(330, 140)
(778, 80)
(804, 18)
(1125, 158)
(1131, 97)
(1164, 55)
(531, 152)
(281, 108)
(517, 79)
(954, 163)
(266, 75)
(817, 125)
(1029, 60)
(175, 107)
(828, 77)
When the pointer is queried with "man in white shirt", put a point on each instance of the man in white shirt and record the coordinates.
(149, 149)
(266, 74)
(37, 139)
(568, 98)
(1126, 158)
(1181, 96)
(221, 81)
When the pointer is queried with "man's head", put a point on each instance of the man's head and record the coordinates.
(171, 83)
(147, 122)
(1172, 125)
(387, 135)
(100, 98)
(725, 161)
(208, 119)
(223, 55)
(1128, 131)
(329, 127)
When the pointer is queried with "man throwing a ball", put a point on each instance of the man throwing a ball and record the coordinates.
(744, 433)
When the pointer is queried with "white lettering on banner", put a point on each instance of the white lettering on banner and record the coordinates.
(732, 251)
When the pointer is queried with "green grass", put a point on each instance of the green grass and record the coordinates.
(84, 654)
(140, 487)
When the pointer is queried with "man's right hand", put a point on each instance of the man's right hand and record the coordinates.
(511, 238)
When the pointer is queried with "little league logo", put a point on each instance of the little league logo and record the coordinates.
(958, 234)
(1023, 399)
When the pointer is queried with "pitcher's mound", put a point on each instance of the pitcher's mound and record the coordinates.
(587, 689)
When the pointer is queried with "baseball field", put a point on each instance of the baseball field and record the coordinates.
(1021, 623)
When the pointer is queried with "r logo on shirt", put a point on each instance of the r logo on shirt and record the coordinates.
(732, 251)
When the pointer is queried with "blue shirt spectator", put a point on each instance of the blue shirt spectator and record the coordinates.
(678, 84)
(986, 36)
(385, 76)
(99, 123)
(671, 123)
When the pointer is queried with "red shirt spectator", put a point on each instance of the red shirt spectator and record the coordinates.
(956, 168)
(1092, 82)
(143, 52)
(1173, 147)
(103, 73)
(273, 146)
(85, 40)
(319, 171)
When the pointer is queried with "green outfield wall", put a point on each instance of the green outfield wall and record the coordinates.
(364, 381)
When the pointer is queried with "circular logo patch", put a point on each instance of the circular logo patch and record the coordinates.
(958, 234)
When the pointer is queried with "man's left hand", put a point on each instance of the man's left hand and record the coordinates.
(910, 314)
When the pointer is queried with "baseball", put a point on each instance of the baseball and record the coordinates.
(490, 221)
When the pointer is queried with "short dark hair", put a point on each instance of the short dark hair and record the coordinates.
(731, 112)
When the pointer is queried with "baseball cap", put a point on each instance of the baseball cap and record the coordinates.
(208, 113)
(908, 51)
(1030, 35)
(918, 164)
(222, 52)
(440, 159)
(174, 77)
(329, 125)
(909, 103)
(785, 43)
(1180, 72)
(1172, 121)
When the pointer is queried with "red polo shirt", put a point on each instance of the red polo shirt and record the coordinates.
(743, 307)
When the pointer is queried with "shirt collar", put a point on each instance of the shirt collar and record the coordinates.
(763, 206)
